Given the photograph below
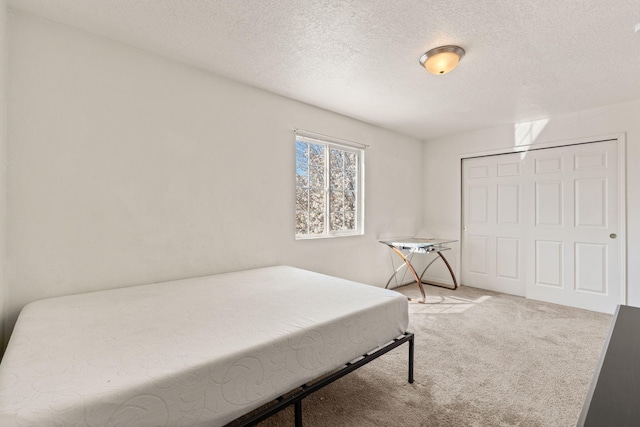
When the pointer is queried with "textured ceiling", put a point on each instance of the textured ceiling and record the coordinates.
(525, 60)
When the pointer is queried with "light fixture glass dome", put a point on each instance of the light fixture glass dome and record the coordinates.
(442, 59)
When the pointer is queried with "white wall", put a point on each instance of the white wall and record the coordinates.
(3, 144)
(127, 168)
(442, 168)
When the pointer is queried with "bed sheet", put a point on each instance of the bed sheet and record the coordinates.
(194, 352)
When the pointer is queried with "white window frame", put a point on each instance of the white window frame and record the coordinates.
(359, 196)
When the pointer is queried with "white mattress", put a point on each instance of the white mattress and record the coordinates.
(193, 352)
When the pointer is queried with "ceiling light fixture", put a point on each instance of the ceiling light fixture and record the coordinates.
(443, 59)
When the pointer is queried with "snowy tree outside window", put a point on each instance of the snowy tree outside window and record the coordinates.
(328, 189)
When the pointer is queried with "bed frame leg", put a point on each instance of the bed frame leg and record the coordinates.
(298, 413)
(411, 360)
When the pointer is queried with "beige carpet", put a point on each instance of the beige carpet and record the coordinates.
(482, 359)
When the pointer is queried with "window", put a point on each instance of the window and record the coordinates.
(329, 193)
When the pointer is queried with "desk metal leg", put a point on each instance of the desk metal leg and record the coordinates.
(396, 271)
(412, 270)
(418, 280)
(453, 276)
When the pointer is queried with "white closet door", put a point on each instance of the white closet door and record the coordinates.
(544, 224)
(493, 229)
(574, 252)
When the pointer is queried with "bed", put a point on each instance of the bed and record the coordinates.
(194, 352)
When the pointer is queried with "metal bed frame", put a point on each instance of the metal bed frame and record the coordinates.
(295, 396)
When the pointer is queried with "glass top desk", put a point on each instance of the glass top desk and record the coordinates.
(406, 247)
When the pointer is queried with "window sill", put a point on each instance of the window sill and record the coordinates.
(327, 236)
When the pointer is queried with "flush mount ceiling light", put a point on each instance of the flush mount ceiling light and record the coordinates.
(443, 59)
